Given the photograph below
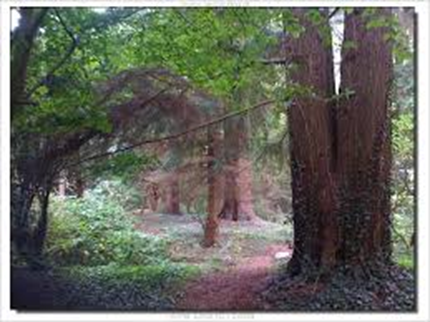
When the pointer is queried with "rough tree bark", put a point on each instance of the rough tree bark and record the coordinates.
(364, 145)
(340, 158)
(310, 129)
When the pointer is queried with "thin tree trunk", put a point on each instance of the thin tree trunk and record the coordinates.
(172, 195)
(42, 223)
(62, 185)
(79, 181)
(80, 187)
(230, 210)
(172, 188)
(211, 225)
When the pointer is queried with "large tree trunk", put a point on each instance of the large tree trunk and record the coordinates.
(340, 160)
(341, 196)
(309, 121)
(364, 147)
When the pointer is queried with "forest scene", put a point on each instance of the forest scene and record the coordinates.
(213, 159)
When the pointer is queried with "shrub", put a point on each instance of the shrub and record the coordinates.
(96, 230)
(126, 195)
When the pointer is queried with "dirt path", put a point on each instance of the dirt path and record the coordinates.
(235, 289)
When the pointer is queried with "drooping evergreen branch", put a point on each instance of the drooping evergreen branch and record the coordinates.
(179, 134)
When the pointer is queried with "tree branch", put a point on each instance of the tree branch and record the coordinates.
(73, 46)
(275, 61)
(176, 135)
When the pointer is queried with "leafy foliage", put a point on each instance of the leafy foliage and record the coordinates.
(123, 167)
(403, 137)
(96, 230)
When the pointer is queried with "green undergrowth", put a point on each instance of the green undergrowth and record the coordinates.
(148, 277)
(109, 287)
(403, 228)
(98, 230)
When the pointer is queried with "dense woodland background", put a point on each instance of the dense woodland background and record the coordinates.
(213, 159)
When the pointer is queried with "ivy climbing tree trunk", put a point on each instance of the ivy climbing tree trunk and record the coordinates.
(364, 159)
(340, 157)
(313, 187)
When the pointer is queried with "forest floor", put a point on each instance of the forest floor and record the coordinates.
(237, 288)
(226, 277)
(238, 241)
(240, 273)
(235, 271)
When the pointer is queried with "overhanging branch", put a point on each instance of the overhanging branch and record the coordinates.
(176, 135)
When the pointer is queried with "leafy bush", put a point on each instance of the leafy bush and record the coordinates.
(118, 191)
(97, 230)
(403, 173)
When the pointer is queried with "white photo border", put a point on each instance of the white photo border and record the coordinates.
(422, 173)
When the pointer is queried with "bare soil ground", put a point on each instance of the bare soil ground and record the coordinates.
(238, 288)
